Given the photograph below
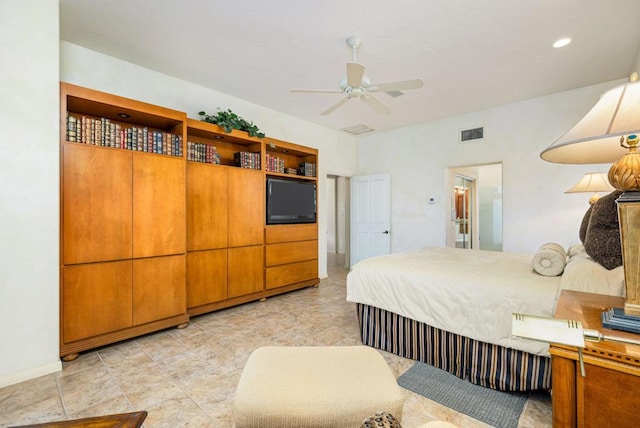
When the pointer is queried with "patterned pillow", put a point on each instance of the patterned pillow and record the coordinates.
(381, 419)
(602, 240)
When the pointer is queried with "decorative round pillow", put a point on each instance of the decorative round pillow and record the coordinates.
(550, 259)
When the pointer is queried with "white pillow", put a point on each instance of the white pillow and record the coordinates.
(550, 260)
(582, 273)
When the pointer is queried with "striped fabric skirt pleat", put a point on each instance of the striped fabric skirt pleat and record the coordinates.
(481, 363)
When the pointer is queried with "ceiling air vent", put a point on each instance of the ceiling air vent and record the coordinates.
(474, 134)
(395, 94)
(358, 129)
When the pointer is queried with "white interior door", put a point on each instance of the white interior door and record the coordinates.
(370, 216)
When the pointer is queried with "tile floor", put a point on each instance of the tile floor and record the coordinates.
(187, 377)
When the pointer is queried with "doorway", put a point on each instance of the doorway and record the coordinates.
(337, 204)
(464, 191)
(476, 207)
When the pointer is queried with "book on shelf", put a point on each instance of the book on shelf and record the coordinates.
(103, 132)
(274, 163)
(247, 160)
(308, 169)
(204, 153)
(616, 319)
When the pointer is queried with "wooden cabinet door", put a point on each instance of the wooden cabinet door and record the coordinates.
(96, 299)
(603, 388)
(206, 277)
(246, 189)
(96, 204)
(158, 288)
(245, 270)
(206, 206)
(159, 222)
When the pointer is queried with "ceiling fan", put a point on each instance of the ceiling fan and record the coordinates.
(357, 85)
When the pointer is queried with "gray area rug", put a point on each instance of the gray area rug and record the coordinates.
(496, 408)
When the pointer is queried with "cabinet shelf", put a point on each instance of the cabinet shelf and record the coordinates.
(99, 119)
(291, 157)
(226, 145)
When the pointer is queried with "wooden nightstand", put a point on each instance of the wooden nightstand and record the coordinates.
(609, 394)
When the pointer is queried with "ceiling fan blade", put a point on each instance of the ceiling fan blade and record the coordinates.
(355, 72)
(375, 104)
(397, 86)
(335, 106)
(316, 91)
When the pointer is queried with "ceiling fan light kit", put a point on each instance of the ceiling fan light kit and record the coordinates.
(357, 85)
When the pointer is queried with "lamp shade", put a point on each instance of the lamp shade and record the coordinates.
(596, 138)
(592, 182)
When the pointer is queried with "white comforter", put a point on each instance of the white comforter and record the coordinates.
(468, 292)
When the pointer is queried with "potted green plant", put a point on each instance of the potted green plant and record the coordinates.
(228, 121)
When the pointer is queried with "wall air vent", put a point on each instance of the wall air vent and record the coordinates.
(358, 129)
(474, 134)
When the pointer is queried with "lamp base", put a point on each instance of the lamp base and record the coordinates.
(618, 319)
(629, 216)
(632, 309)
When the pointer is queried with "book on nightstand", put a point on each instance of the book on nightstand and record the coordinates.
(616, 319)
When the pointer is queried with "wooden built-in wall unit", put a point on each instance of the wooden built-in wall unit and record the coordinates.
(158, 224)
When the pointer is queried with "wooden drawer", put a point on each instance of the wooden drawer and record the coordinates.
(279, 276)
(290, 252)
(290, 233)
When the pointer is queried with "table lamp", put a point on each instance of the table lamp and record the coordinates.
(609, 133)
(592, 182)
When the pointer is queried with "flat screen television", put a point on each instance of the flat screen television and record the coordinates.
(290, 201)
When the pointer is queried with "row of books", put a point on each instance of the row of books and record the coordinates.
(200, 152)
(308, 169)
(103, 132)
(247, 160)
(274, 163)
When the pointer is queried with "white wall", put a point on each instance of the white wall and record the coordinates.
(535, 208)
(88, 68)
(29, 202)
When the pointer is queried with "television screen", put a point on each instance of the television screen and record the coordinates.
(290, 201)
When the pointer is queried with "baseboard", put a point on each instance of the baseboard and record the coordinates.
(30, 374)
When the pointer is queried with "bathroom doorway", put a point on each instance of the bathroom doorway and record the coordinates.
(476, 207)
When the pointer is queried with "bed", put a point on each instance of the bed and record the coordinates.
(451, 308)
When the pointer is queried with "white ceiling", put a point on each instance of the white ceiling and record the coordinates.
(471, 54)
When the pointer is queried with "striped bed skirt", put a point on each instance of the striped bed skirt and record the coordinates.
(481, 363)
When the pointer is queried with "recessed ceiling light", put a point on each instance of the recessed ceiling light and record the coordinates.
(561, 42)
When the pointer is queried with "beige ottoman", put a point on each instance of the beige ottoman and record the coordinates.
(315, 386)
